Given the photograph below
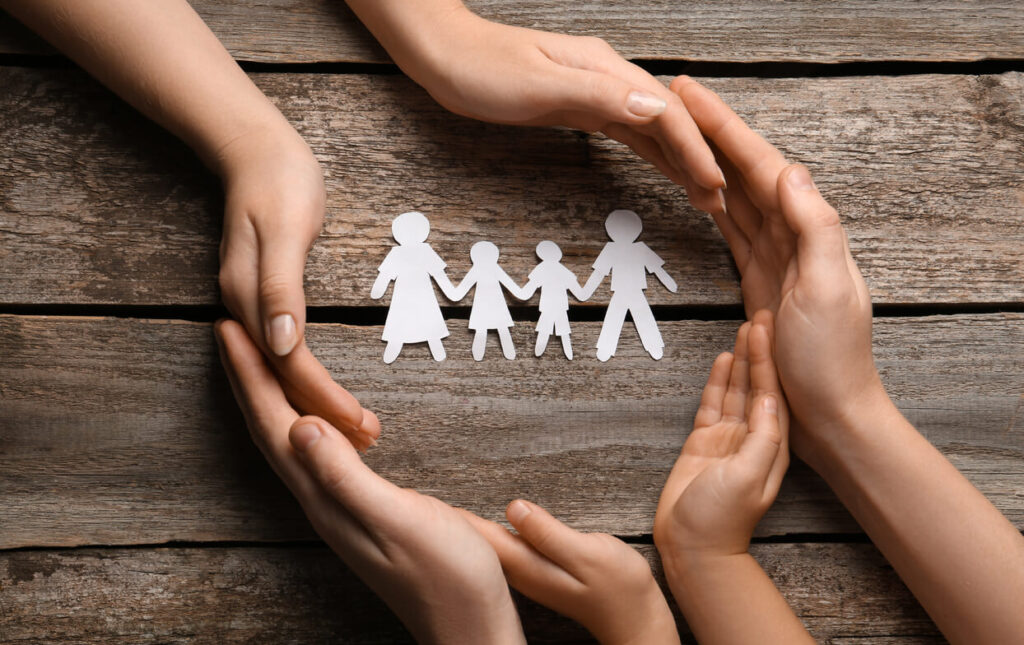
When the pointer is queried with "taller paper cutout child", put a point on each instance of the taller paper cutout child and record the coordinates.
(629, 262)
(414, 315)
(490, 311)
(553, 280)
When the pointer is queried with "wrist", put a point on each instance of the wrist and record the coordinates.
(254, 145)
(825, 445)
(648, 621)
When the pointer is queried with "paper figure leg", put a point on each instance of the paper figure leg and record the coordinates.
(612, 326)
(436, 349)
(567, 346)
(479, 344)
(647, 327)
(507, 348)
(542, 343)
(391, 351)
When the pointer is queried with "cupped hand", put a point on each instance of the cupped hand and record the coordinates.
(273, 212)
(794, 259)
(420, 555)
(505, 74)
(733, 462)
(593, 578)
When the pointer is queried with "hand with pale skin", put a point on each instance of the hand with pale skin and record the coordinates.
(955, 551)
(421, 556)
(593, 578)
(162, 58)
(503, 74)
(726, 477)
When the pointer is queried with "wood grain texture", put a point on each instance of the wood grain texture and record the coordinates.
(842, 592)
(122, 431)
(99, 206)
(730, 31)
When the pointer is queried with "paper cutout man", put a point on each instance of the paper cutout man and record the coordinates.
(490, 311)
(553, 280)
(414, 315)
(629, 262)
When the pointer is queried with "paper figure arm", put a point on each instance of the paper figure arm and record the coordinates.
(592, 284)
(513, 288)
(380, 286)
(666, 279)
(529, 289)
(577, 291)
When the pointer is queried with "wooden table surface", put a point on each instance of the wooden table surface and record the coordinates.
(133, 508)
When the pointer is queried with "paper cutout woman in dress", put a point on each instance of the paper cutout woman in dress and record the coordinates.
(414, 315)
(629, 262)
(490, 311)
(553, 280)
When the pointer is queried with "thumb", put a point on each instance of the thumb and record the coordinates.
(282, 302)
(609, 98)
(821, 241)
(761, 445)
(334, 464)
(543, 531)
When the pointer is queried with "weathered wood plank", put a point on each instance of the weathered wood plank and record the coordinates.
(731, 31)
(98, 206)
(305, 595)
(118, 431)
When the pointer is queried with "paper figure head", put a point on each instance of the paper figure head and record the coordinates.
(484, 253)
(410, 228)
(623, 226)
(549, 251)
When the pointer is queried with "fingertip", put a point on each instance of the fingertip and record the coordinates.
(305, 432)
(370, 425)
(517, 512)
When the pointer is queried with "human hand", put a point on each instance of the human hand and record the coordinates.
(733, 462)
(273, 212)
(420, 555)
(794, 259)
(503, 74)
(595, 579)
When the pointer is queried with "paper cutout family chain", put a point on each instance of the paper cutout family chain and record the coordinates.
(414, 315)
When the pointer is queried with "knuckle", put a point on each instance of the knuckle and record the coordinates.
(274, 286)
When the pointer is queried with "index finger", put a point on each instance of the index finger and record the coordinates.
(758, 162)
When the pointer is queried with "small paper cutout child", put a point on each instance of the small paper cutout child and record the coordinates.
(553, 280)
(414, 315)
(490, 311)
(629, 262)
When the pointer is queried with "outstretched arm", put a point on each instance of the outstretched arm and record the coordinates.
(453, 293)
(666, 279)
(513, 288)
(593, 282)
(380, 286)
(503, 74)
(162, 58)
(959, 556)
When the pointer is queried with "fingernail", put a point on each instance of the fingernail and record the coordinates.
(282, 334)
(800, 179)
(771, 406)
(721, 201)
(725, 184)
(517, 511)
(304, 436)
(643, 104)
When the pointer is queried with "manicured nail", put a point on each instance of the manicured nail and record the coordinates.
(643, 104)
(517, 511)
(282, 334)
(800, 179)
(721, 201)
(304, 436)
(771, 406)
(725, 184)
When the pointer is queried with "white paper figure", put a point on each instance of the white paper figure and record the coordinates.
(490, 311)
(629, 262)
(553, 280)
(414, 315)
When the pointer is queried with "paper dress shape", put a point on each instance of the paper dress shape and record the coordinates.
(414, 315)
(554, 281)
(628, 261)
(490, 311)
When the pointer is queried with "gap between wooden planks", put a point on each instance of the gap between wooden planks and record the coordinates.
(122, 431)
